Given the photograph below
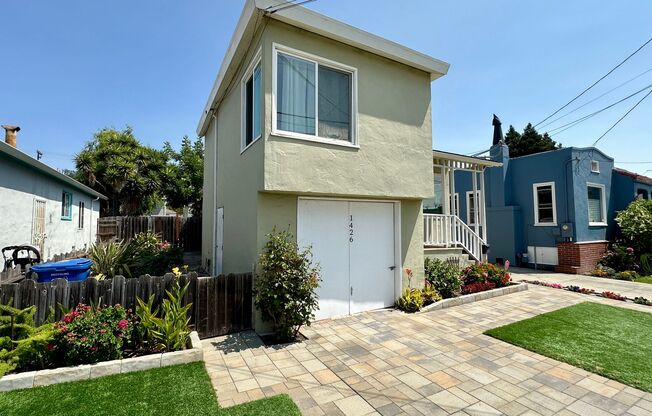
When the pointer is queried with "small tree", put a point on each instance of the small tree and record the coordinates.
(529, 142)
(286, 285)
(636, 225)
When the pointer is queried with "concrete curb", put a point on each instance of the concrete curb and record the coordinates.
(474, 297)
(85, 372)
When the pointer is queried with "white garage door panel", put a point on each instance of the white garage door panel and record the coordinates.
(372, 255)
(323, 225)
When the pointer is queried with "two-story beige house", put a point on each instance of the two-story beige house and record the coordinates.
(323, 129)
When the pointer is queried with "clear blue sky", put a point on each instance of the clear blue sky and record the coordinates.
(72, 67)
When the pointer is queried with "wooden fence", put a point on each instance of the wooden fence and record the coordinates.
(220, 304)
(184, 232)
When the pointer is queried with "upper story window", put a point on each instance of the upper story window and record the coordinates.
(545, 207)
(80, 218)
(66, 206)
(314, 98)
(595, 166)
(252, 97)
(596, 204)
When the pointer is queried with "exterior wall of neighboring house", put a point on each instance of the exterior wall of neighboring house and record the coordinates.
(510, 201)
(20, 186)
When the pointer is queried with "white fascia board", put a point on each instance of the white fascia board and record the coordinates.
(314, 22)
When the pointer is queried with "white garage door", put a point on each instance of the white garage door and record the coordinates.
(354, 243)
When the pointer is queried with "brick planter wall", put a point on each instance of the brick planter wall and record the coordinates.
(579, 258)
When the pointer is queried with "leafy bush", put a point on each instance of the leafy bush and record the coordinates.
(642, 301)
(110, 259)
(444, 277)
(286, 285)
(430, 295)
(483, 276)
(23, 346)
(636, 225)
(612, 295)
(626, 275)
(168, 330)
(646, 264)
(90, 334)
(581, 290)
(603, 271)
(411, 301)
(619, 258)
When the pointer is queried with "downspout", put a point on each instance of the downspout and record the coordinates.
(90, 224)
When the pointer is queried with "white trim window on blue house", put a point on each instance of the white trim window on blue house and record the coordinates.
(314, 98)
(545, 204)
(597, 206)
(66, 206)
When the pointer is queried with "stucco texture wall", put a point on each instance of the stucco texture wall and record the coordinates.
(394, 129)
(20, 185)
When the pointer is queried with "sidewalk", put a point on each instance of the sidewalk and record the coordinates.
(599, 284)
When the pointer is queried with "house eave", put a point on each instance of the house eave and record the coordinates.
(317, 23)
(480, 162)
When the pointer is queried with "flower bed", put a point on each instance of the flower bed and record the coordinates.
(586, 291)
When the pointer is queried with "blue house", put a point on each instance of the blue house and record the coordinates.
(550, 209)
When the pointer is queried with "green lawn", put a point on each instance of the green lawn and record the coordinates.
(644, 279)
(610, 341)
(178, 390)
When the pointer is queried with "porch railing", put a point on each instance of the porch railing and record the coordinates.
(443, 230)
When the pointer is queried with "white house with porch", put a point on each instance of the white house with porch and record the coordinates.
(445, 234)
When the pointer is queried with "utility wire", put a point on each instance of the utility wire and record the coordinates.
(596, 82)
(596, 98)
(588, 116)
(621, 119)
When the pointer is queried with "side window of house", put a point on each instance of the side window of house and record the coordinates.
(66, 206)
(80, 219)
(314, 98)
(252, 105)
(595, 166)
(470, 204)
(545, 211)
(596, 204)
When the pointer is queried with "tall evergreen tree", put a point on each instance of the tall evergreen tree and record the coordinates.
(528, 142)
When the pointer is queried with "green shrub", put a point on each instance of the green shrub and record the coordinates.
(484, 273)
(636, 225)
(646, 264)
(411, 301)
(90, 334)
(619, 258)
(286, 284)
(444, 277)
(110, 259)
(430, 295)
(168, 330)
(626, 275)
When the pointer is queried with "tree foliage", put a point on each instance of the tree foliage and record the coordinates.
(130, 174)
(185, 175)
(636, 225)
(528, 142)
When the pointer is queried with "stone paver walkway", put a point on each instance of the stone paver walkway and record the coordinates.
(599, 284)
(390, 363)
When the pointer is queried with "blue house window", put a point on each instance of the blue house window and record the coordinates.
(596, 204)
(545, 206)
(66, 206)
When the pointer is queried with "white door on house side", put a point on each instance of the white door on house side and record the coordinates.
(372, 255)
(38, 226)
(219, 239)
(323, 225)
(354, 243)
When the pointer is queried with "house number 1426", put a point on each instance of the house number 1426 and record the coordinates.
(350, 228)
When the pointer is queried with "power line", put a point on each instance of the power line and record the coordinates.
(596, 82)
(621, 119)
(596, 98)
(588, 116)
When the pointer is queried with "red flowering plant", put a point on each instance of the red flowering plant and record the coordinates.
(613, 295)
(90, 334)
(483, 276)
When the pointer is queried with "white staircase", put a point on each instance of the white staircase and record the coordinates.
(445, 230)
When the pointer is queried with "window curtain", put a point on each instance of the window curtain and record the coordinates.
(595, 204)
(334, 104)
(295, 94)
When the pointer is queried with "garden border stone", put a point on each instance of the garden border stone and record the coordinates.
(87, 371)
(474, 297)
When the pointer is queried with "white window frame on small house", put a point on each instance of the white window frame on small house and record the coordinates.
(595, 166)
(80, 217)
(603, 204)
(470, 219)
(535, 195)
(249, 74)
(317, 61)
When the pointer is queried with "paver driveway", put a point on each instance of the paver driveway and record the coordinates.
(388, 363)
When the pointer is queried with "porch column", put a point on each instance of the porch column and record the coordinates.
(446, 209)
(451, 196)
(474, 193)
(483, 206)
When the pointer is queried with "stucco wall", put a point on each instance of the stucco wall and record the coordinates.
(20, 185)
(394, 129)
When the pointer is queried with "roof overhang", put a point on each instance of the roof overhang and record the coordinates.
(462, 162)
(43, 168)
(314, 22)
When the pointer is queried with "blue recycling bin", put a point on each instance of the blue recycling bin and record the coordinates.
(73, 270)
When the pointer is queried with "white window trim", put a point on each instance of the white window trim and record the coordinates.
(603, 203)
(81, 217)
(596, 164)
(257, 59)
(535, 196)
(456, 204)
(317, 60)
(471, 221)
